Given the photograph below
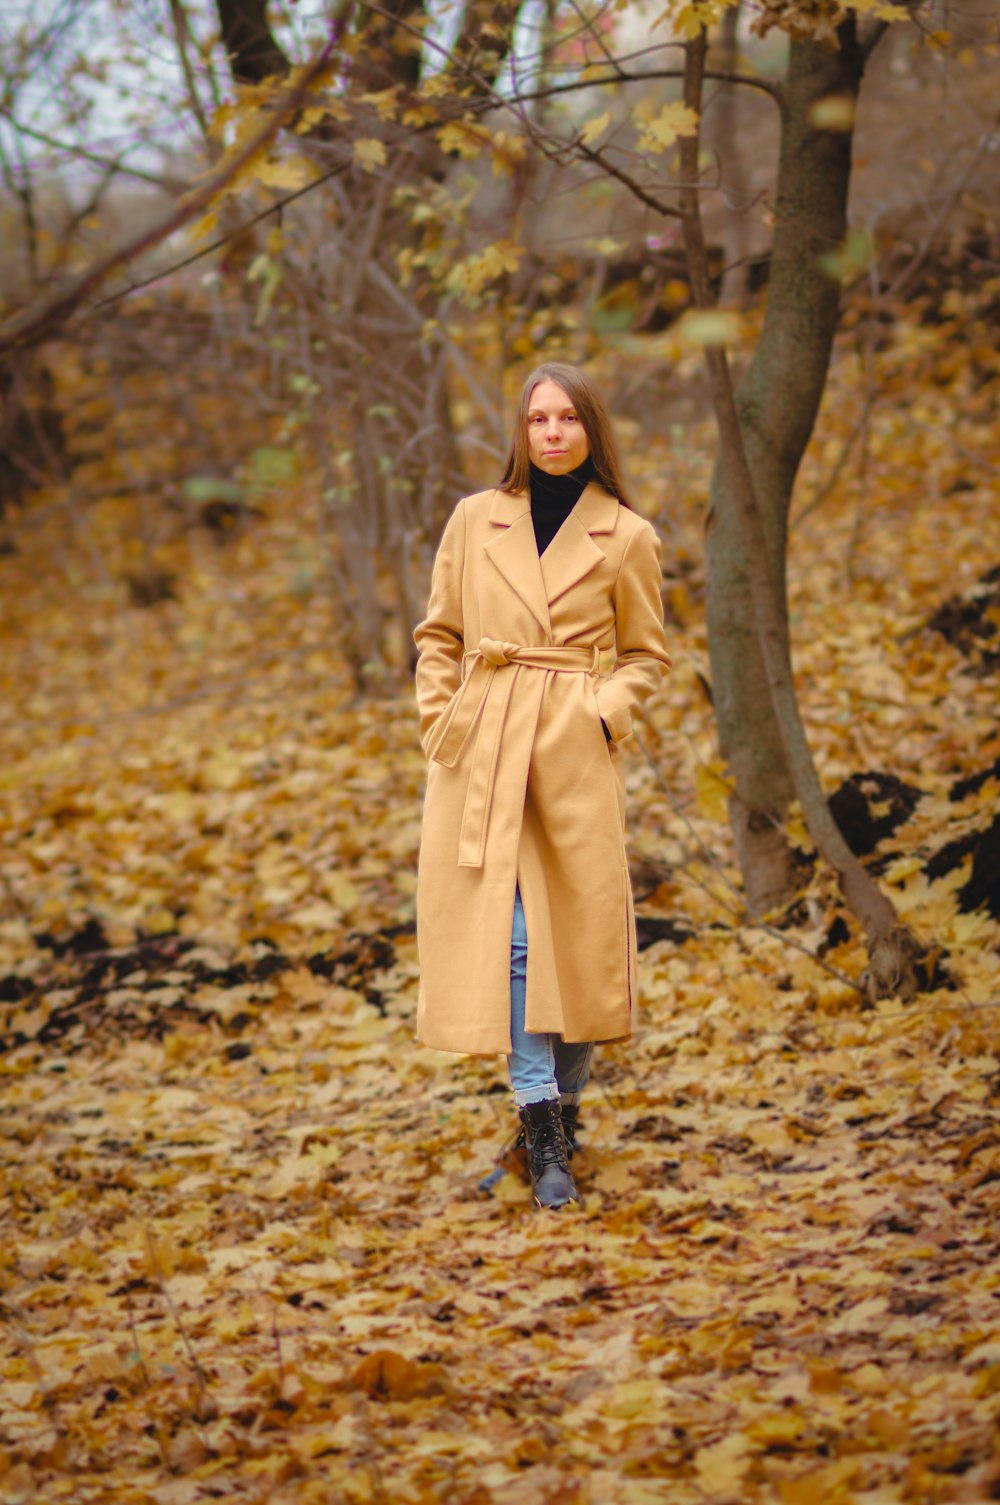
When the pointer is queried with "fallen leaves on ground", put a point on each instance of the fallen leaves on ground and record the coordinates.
(245, 1254)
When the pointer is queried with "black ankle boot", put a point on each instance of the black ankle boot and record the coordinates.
(548, 1157)
(571, 1127)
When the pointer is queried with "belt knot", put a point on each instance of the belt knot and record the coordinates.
(495, 652)
(480, 706)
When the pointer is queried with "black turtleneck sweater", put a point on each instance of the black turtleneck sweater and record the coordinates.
(553, 499)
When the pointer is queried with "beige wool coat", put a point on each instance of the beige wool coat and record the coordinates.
(523, 788)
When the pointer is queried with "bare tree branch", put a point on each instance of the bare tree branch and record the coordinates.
(182, 36)
(158, 180)
(30, 325)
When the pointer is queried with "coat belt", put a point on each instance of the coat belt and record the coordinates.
(484, 696)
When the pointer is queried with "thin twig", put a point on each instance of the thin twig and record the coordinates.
(158, 180)
(900, 284)
(136, 1346)
(199, 1373)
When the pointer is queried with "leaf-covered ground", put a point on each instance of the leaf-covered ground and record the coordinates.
(244, 1253)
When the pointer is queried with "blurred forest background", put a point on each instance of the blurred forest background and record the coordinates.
(271, 278)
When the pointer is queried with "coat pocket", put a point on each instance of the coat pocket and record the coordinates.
(604, 728)
(438, 727)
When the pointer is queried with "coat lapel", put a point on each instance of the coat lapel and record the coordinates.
(573, 553)
(514, 552)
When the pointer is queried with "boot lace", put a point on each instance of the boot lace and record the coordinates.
(548, 1145)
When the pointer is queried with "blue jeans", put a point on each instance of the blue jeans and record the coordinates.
(541, 1066)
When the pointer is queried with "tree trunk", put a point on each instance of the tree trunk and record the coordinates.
(777, 404)
(246, 35)
(893, 954)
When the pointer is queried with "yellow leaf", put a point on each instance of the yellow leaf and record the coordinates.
(317, 916)
(820, 1486)
(595, 127)
(834, 113)
(472, 275)
(663, 130)
(779, 1429)
(223, 115)
(712, 790)
(606, 245)
(709, 327)
(309, 119)
(420, 114)
(864, 1316)
(508, 152)
(291, 173)
(882, 9)
(384, 102)
(369, 153)
(341, 891)
(463, 137)
(965, 926)
(721, 1467)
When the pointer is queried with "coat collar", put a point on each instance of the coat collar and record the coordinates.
(571, 555)
(597, 509)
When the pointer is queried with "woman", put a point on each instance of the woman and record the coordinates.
(524, 908)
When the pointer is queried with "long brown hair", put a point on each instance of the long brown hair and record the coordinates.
(591, 412)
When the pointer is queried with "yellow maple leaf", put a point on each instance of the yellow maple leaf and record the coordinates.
(384, 102)
(369, 153)
(464, 138)
(333, 109)
(508, 152)
(291, 173)
(420, 114)
(471, 276)
(690, 19)
(663, 130)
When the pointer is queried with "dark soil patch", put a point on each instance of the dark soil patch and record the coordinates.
(869, 806)
(971, 621)
(649, 931)
(132, 992)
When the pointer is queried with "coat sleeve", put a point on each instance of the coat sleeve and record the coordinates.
(440, 637)
(641, 650)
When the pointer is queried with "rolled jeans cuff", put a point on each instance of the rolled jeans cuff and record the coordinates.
(545, 1094)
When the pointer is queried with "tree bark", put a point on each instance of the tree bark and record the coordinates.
(892, 951)
(777, 404)
(246, 35)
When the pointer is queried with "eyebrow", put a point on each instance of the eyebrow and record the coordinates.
(569, 408)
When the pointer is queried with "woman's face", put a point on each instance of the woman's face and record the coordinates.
(557, 440)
